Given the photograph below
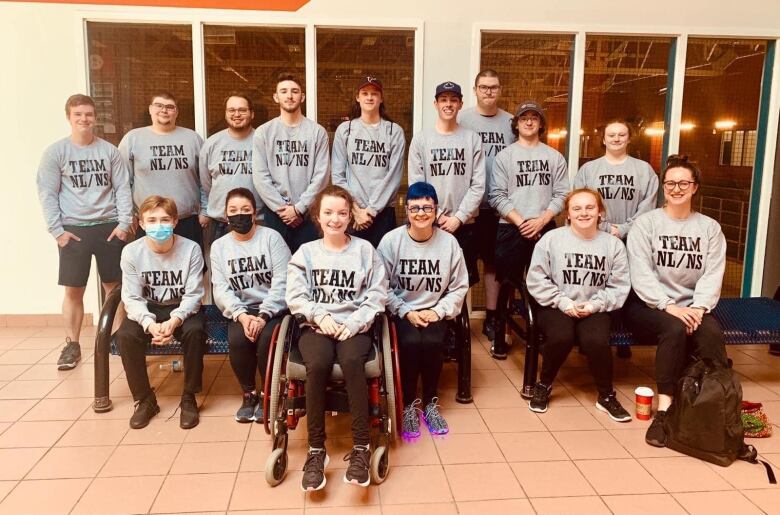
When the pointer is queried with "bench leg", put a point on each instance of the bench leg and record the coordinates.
(102, 401)
(464, 360)
(499, 348)
(531, 363)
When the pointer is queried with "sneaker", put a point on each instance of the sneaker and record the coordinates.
(259, 411)
(612, 407)
(314, 470)
(411, 420)
(144, 411)
(489, 328)
(656, 434)
(188, 418)
(433, 419)
(497, 352)
(357, 471)
(246, 413)
(541, 398)
(70, 355)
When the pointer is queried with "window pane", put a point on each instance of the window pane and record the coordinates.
(533, 66)
(625, 77)
(249, 60)
(722, 91)
(127, 63)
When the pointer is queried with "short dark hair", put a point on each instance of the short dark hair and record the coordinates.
(288, 76)
(240, 94)
(681, 161)
(167, 95)
(487, 72)
(420, 190)
(241, 193)
(542, 124)
(78, 100)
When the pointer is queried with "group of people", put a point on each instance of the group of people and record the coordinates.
(279, 239)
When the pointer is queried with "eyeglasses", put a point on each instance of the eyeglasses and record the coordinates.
(164, 107)
(416, 209)
(484, 89)
(239, 110)
(683, 185)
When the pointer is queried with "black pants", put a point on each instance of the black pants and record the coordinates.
(421, 355)
(294, 237)
(188, 227)
(591, 333)
(513, 252)
(319, 353)
(133, 342)
(653, 326)
(384, 222)
(469, 244)
(247, 356)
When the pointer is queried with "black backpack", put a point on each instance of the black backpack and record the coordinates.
(704, 421)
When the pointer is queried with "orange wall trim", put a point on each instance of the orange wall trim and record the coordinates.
(258, 5)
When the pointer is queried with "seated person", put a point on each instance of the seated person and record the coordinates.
(249, 274)
(338, 283)
(162, 288)
(428, 284)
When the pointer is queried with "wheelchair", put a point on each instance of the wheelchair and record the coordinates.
(284, 394)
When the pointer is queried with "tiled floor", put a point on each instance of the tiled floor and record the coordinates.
(58, 456)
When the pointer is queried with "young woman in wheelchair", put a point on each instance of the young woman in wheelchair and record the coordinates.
(248, 272)
(428, 284)
(578, 275)
(338, 283)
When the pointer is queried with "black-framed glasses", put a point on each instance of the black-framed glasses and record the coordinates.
(416, 209)
(683, 185)
(484, 89)
(167, 107)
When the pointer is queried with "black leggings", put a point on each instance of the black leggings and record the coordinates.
(421, 354)
(591, 333)
(653, 326)
(513, 252)
(383, 223)
(247, 356)
(319, 353)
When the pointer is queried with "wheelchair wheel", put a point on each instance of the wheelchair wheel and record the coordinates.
(390, 384)
(277, 392)
(380, 465)
(276, 467)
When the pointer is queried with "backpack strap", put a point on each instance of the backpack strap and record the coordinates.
(750, 454)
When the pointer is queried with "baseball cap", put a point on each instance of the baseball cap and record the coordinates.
(530, 105)
(450, 87)
(370, 80)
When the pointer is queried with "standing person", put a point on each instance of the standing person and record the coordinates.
(84, 190)
(527, 188)
(450, 158)
(677, 258)
(249, 274)
(162, 288)
(629, 186)
(290, 165)
(163, 160)
(428, 285)
(494, 126)
(579, 275)
(368, 161)
(226, 160)
(338, 283)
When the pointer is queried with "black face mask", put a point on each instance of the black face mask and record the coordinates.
(242, 223)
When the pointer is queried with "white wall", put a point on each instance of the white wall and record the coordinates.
(41, 64)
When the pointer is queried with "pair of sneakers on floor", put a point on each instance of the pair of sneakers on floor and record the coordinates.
(251, 409)
(609, 404)
(357, 473)
(410, 425)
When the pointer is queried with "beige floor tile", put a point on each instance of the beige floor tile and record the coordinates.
(71, 462)
(767, 500)
(140, 460)
(43, 372)
(28, 389)
(511, 420)
(584, 445)
(7, 486)
(22, 357)
(347, 510)
(10, 372)
(297, 511)
(339, 493)
(565, 505)
(634, 441)
(94, 432)
(4, 426)
(507, 397)
(421, 509)
(46, 342)
(9, 342)
(208, 457)
(73, 388)
(50, 497)
(253, 492)
(646, 504)
(194, 492)
(119, 496)
(419, 451)
(513, 506)
(18, 332)
(462, 421)
(447, 399)
(491, 378)
(483, 363)
(569, 419)
(33, 434)
(225, 385)
(159, 431)
(468, 448)
(483, 481)
(122, 408)
(612, 477)
(58, 409)
(13, 409)
(403, 485)
(752, 391)
(220, 405)
(532, 446)
(218, 429)
(684, 474)
(16, 463)
(743, 475)
(716, 503)
(554, 478)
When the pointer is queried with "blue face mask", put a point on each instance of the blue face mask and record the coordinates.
(159, 232)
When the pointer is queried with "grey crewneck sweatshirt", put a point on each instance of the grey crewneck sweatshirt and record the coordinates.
(83, 185)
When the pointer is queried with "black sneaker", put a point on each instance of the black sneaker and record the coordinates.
(612, 407)
(489, 328)
(314, 470)
(246, 413)
(188, 418)
(144, 411)
(70, 355)
(541, 398)
(357, 471)
(656, 434)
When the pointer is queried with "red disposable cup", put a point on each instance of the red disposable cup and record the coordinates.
(644, 402)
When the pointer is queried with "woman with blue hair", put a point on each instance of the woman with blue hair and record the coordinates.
(428, 284)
